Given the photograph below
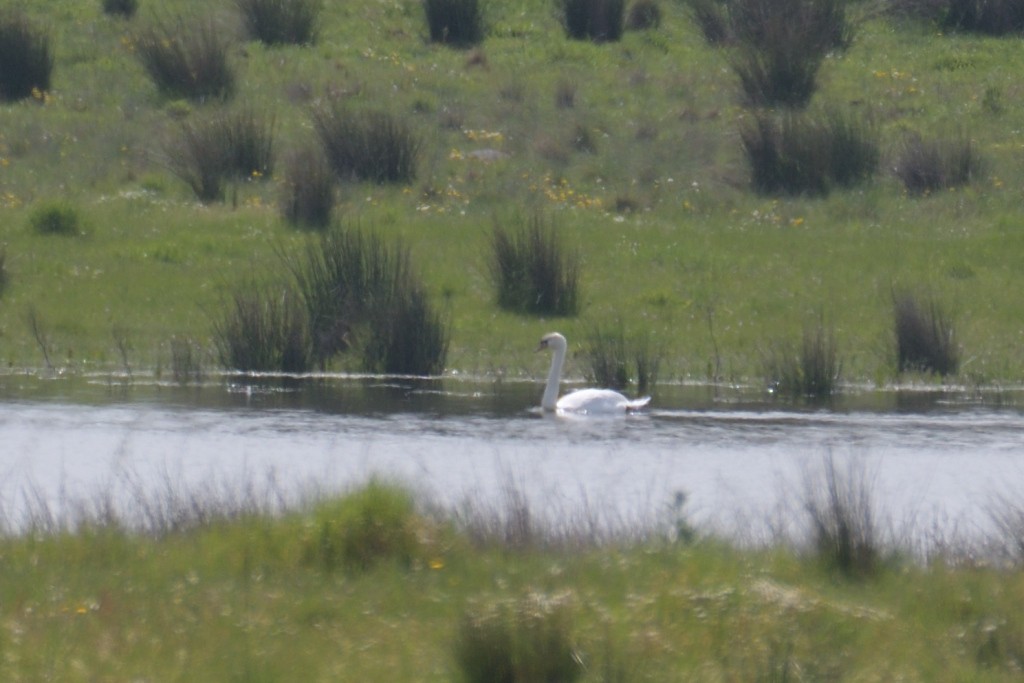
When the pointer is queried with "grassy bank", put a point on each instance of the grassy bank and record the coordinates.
(375, 586)
(631, 148)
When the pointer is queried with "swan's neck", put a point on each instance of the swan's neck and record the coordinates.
(550, 398)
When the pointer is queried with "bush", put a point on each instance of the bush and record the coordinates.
(376, 146)
(643, 15)
(56, 218)
(407, 336)
(991, 17)
(26, 58)
(925, 338)
(596, 20)
(364, 529)
(925, 166)
(187, 58)
(532, 271)
(455, 22)
(280, 22)
(230, 144)
(803, 154)
(813, 372)
(123, 8)
(264, 329)
(518, 642)
(309, 189)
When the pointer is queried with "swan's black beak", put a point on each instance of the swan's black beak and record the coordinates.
(543, 345)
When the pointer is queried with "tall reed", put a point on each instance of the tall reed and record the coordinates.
(187, 57)
(533, 271)
(925, 335)
(26, 57)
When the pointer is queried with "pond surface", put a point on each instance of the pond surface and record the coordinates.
(934, 458)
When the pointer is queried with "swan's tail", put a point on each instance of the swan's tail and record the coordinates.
(637, 403)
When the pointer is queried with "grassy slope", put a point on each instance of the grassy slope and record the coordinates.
(662, 108)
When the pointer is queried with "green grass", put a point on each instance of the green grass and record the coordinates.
(664, 113)
(217, 595)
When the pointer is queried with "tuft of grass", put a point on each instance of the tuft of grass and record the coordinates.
(514, 641)
(5, 278)
(928, 165)
(840, 507)
(280, 22)
(407, 335)
(643, 15)
(455, 22)
(712, 18)
(56, 217)
(807, 154)
(596, 20)
(990, 17)
(308, 195)
(187, 57)
(616, 362)
(121, 8)
(925, 336)
(375, 146)
(374, 525)
(186, 360)
(532, 271)
(813, 372)
(263, 329)
(26, 57)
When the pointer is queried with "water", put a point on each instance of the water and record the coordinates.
(935, 458)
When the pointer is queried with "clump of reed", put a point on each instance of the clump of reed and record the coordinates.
(374, 525)
(712, 18)
(56, 217)
(928, 165)
(841, 510)
(643, 15)
(186, 360)
(518, 640)
(121, 8)
(5, 278)
(263, 329)
(615, 362)
(455, 22)
(990, 17)
(407, 334)
(364, 145)
(280, 22)
(801, 153)
(925, 335)
(596, 20)
(308, 194)
(187, 57)
(230, 144)
(26, 57)
(532, 270)
(813, 371)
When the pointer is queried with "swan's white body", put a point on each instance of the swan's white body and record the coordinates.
(582, 401)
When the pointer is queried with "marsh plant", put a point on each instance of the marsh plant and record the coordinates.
(455, 22)
(263, 329)
(712, 18)
(5, 278)
(56, 217)
(518, 641)
(802, 153)
(120, 8)
(840, 505)
(186, 360)
(643, 15)
(926, 165)
(280, 22)
(367, 145)
(26, 57)
(596, 20)
(187, 57)
(811, 371)
(532, 270)
(991, 17)
(617, 362)
(925, 335)
(308, 193)
(407, 335)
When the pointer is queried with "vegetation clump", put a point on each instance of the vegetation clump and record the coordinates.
(280, 22)
(615, 362)
(375, 146)
(926, 165)
(26, 57)
(121, 8)
(264, 329)
(187, 57)
(309, 189)
(991, 17)
(532, 270)
(455, 22)
(596, 20)
(56, 218)
(925, 335)
(812, 372)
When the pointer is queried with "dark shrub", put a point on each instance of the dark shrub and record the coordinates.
(56, 218)
(643, 15)
(187, 58)
(367, 145)
(597, 20)
(712, 18)
(280, 22)
(811, 372)
(925, 166)
(616, 362)
(532, 271)
(406, 336)
(925, 338)
(264, 329)
(992, 17)
(455, 22)
(186, 360)
(804, 154)
(123, 8)
(26, 59)
(309, 189)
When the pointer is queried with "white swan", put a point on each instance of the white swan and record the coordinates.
(582, 401)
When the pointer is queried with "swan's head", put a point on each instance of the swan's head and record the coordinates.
(553, 341)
